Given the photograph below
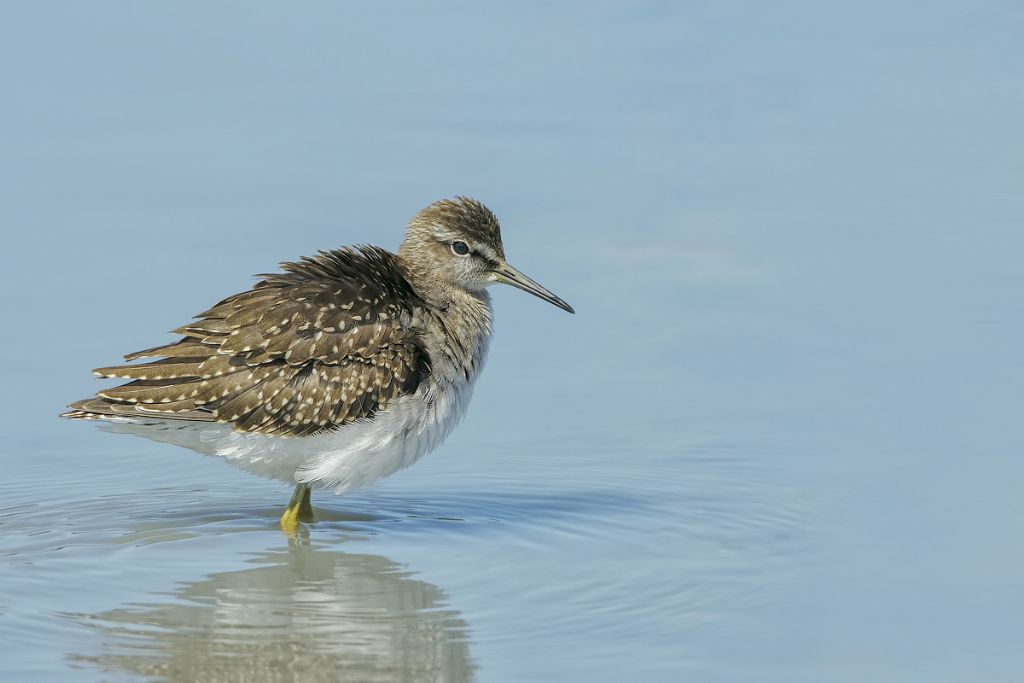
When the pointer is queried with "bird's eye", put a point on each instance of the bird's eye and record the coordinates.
(460, 248)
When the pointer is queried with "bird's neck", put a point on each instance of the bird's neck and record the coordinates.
(459, 337)
(455, 325)
(465, 312)
(438, 291)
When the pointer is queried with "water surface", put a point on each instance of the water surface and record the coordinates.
(779, 442)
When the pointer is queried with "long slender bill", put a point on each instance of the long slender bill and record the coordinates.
(510, 276)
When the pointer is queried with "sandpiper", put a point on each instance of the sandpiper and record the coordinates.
(344, 368)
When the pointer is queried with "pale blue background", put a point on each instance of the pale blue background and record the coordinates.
(781, 440)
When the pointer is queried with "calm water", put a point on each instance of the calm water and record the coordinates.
(781, 440)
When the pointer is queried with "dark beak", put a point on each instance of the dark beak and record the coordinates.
(510, 276)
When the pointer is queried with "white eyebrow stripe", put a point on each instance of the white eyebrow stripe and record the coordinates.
(444, 235)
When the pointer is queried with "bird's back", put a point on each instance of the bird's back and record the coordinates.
(328, 341)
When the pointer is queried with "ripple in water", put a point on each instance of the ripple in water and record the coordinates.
(299, 614)
(195, 583)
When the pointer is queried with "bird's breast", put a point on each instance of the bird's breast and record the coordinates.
(411, 426)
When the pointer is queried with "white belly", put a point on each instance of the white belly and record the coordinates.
(355, 455)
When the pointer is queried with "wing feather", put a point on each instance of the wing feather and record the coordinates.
(328, 341)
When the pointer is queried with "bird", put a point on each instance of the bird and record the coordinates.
(340, 369)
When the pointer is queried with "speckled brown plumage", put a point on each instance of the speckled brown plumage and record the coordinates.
(323, 343)
(342, 369)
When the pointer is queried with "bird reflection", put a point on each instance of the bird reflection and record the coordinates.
(303, 614)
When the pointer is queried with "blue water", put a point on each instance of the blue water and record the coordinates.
(780, 441)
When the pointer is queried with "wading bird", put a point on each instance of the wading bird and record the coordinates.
(343, 368)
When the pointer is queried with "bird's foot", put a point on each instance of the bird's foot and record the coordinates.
(299, 509)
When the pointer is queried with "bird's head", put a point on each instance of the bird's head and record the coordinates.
(458, 242)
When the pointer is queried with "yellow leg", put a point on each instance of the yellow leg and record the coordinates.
(306, 507)
(299, 509)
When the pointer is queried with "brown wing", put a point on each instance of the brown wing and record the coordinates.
(324, 343)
